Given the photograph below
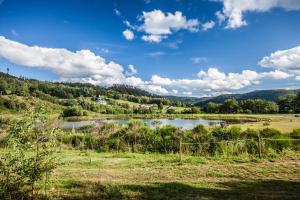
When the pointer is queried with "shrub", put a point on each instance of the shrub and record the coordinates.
(30, 158)
(295, 135)
(277, 144)
(269, 132)
(234, 132)
(220, 134)
(72, 111)
(249, 134)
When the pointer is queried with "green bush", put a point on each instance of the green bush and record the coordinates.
(72, 111)
(295, 135)
(249, 134)
(269, 133)
(221, 133)
(279, 143)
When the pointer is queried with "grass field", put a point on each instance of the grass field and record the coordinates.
(284, 123)
(91, 175)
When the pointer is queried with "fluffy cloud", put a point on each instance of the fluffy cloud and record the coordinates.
(157, 25)
(221, 17)
(153, 38)
(286, 60)
(85, 66)
(233, 10)
(208, 25)
(128, 34)
(81, 65)
(174, 91)
(277, 74)
(157, 89)
(131, 71)
(138, 82)
(213, 80)
(157, 80)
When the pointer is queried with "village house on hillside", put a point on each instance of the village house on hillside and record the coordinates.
(148, 105)
(100, 101)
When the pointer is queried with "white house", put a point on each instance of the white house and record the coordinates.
(100, 101)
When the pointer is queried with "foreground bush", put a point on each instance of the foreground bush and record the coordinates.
(296, 135)
(73, 111)
(138, 137)
(29, 159)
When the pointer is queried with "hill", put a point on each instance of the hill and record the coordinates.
(17, 94)
(270, 95)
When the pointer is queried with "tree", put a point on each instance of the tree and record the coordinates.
(286, 104)
(213, 107)
(160, 106)
(171, 110)
(297, 103)
(30, 156)
(230, 106)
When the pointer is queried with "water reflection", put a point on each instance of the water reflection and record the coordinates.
(178, 122)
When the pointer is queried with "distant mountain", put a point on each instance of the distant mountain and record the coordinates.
(270, 95)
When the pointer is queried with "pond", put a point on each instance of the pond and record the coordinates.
(178, 122)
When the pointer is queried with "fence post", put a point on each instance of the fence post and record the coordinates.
(180, 149)
(259, 146)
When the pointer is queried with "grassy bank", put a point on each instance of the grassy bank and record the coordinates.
(92, 175)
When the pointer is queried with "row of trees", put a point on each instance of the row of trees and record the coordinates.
(288, 104)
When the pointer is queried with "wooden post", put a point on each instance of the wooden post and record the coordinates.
(180, 149)
(259, 146)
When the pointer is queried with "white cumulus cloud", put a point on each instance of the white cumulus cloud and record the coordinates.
(128, 34)
(131, 70)
(158, 25)
(214, 80)
(286, 60)
(81, 65)
(208, 25)
(233, 10)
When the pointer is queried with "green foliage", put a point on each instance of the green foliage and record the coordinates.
(277, 142)
(250, 106)
(192, 110)
(269, 132)
(30, 157)
(80, 94)
(73, 111)
(296, 135)
(12, 103)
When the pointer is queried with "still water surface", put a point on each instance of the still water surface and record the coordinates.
(178, 122)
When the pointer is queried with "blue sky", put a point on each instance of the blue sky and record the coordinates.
(175, 47)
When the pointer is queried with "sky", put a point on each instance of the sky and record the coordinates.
(168, 47)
